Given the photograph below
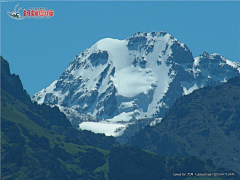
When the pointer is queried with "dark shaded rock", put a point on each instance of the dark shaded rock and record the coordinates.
(180, 54)
(137, 41)
(12, 83)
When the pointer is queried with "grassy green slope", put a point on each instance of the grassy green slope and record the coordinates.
(30, 151)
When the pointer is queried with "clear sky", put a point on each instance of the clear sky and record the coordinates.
(39, 50)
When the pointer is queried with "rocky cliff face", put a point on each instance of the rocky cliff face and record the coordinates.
(12, 83)
(116, 84)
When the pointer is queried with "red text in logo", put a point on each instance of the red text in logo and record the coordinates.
(38, 12)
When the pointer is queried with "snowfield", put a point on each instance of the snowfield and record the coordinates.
(104, 127)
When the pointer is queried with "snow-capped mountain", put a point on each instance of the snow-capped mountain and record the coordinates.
(116, 84)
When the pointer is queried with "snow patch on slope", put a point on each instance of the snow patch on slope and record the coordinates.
(132, 81)
(42, 94)
(117, 50)
(124, 116)
(187, 90)
(109, 129)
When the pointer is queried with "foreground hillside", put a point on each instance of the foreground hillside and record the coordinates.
(38, 142)
(205, 124)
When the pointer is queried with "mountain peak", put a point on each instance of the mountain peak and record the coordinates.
(207, 59)
(139, 33)
(124, 81)
(206, 54)
(151, 34)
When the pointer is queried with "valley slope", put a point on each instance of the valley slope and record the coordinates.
(205, 124)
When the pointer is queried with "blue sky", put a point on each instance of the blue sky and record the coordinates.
(39, 50)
